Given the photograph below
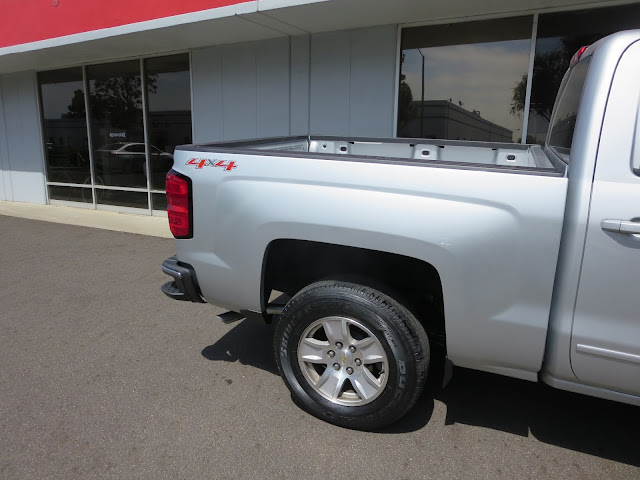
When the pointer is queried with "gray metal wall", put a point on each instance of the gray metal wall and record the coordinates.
(338, 83)
(241, 91)
(21, 152)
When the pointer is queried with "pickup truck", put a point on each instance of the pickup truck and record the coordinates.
(376, 257)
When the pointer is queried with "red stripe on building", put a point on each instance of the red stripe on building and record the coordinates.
(24, 21)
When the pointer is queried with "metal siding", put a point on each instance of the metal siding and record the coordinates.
(239, 84)
(339, 83)
(5, 191)
(372, 88)
(206, 84)
(23, 141)
(272, 87)
(330, 80)
(352, 82)
(300, 85)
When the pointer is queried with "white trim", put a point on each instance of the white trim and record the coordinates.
(527, 97)
(159, 213)
(275, 4)
(63, 184)
(43, 152)
(185, 18)
(519, 13)
(145, 129)
(122, 189)
(87, 113)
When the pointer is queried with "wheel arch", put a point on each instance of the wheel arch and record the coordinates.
(291, 264)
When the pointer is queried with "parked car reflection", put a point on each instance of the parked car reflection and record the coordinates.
(123, 164)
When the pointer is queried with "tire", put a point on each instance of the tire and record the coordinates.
(374, 374)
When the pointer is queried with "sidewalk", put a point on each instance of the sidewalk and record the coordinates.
(120, 222)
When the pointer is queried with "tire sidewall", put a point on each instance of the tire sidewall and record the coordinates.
(314, 305)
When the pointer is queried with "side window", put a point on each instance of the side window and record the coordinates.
(564, 120)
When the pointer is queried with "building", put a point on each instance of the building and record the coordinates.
(94, 95)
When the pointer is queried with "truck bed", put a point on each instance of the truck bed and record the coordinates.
(431, 151)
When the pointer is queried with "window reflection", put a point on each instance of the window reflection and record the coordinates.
(556, 45)
(122, 198)
(457, 81)
(169, 118)
(116, 128)
(65, 127)
(115, 102)
(71, 194)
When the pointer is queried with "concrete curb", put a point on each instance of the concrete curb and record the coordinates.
(120, 222)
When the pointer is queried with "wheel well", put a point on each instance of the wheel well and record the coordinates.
(290, 265)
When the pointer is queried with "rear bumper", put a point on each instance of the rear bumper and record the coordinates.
(184, 285)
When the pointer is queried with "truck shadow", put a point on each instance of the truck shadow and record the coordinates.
(249, 342)
(585, 424)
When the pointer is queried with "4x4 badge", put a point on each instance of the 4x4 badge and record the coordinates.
(205, 162)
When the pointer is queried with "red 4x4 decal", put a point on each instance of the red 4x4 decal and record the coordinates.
(205, 162)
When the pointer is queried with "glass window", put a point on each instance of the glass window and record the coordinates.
(71, 194)
(65, 126)
(116, 126)
(115, 103)
(169, 104)
(564, 122)
(135, 148)
(555, 45)
(122, 198)
(457, 80)
(159, 201)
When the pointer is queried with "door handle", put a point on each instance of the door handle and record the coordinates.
(620, 226)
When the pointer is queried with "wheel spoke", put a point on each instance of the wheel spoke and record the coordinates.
(331, 383)
(370, 350)
(312, 350)
(337, 330)
(365, 384)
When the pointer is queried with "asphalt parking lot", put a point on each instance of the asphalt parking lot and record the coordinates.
(102, 376)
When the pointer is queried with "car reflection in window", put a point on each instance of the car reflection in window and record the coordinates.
(124, 164)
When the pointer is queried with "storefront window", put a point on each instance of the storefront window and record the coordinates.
(115, 102)
(457, 81)
(556, 45)
(169, 117)
(65, 133)
(117, 130)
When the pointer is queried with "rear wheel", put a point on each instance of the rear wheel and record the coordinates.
(351, 355)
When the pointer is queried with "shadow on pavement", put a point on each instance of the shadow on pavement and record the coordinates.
(577, 422)
(585, 424)
(249, 342)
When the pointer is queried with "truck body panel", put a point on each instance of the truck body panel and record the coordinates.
(463, 222)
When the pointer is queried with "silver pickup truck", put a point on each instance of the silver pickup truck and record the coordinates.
(376, 257)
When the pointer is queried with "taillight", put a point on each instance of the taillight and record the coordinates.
(576, 57)
(179, 205)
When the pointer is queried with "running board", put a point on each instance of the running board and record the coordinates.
(230, 317)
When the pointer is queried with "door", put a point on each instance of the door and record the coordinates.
(605, 343)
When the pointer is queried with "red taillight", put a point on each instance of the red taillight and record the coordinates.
(179, 205)
(576, 57)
